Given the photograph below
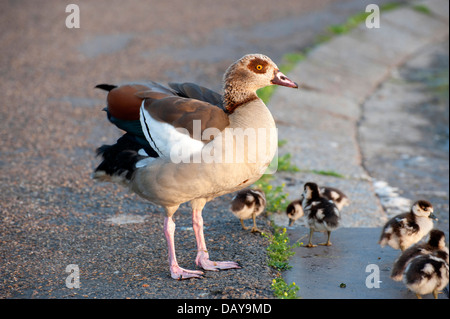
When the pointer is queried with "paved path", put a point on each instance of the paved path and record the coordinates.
(361, 115)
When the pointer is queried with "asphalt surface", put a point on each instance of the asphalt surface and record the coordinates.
(52, 214)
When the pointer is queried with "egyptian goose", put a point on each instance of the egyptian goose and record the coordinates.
(322, 213)
(406, 229)
(435, 246)
(189, 144)
(248, 203)
(294, 210)
(427, 274)
(337, 196)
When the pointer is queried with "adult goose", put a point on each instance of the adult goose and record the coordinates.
(189, 144)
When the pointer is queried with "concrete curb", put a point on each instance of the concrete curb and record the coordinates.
(320, 124)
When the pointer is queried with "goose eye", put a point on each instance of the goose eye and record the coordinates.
(259, 67)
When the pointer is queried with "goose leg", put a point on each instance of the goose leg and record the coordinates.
(202, 259)
(176, 271)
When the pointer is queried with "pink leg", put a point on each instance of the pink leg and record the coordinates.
(176, 271)
(202, 259)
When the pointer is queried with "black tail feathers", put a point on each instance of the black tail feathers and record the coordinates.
(106, 87)
(119, 159)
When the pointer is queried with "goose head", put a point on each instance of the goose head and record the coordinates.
(248, 74)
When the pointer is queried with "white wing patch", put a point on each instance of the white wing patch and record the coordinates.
(167, 140)
(320, 214)
(250, 198)
(336, 211)
(334, 195)
(428, 269)
(142, 152)
(144, 162)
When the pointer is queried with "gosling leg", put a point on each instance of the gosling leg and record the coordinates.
(310, 245)
(328, 243)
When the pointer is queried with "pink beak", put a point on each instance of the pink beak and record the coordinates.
(281, 79)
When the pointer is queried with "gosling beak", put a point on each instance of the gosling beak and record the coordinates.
(280, 79)
(291, 222)
(432, 216)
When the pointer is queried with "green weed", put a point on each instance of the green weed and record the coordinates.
(282, 290)
(390, 6)
(284, 164)
(276, 199)
(422, 9)
(282, 142)
(327, 173)
(279, 250)
(290, 60)
(266, 93)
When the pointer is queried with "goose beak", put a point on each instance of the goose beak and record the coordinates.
(432, 216)
(280, 79)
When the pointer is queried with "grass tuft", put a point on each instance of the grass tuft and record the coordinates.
(422, 9)
(282, 290)
(279, 251)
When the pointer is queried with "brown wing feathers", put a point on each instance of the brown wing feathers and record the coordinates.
(123, 102)
(182, 112)
(164, 105)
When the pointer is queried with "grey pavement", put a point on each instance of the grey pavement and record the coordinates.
(364, 111)
(352, 268)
